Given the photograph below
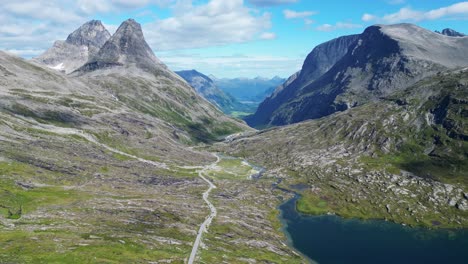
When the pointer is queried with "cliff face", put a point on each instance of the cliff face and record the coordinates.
(75, 51)
(381, 61)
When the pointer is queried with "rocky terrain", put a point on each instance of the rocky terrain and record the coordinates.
(380, 61)
(451, 33)
(99, 165)
(402, 158)
(110, 157)
(75, 51)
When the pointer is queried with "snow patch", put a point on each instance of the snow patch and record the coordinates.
(58, 67)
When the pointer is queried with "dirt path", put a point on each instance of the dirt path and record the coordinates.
(207, 222)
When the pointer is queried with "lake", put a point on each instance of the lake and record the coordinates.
(330, 239)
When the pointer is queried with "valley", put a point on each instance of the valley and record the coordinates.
(109, 156)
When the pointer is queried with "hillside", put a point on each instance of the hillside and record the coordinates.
(380, 61)
(100, 164)
(403, 158)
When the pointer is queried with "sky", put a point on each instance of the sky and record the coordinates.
(225, 38)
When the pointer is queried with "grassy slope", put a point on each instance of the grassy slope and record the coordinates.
(67, 200)
(355, 162)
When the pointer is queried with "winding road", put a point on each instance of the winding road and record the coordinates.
(207, 222)
(204, 226)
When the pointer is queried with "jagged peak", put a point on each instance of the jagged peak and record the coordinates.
(126, 46)
(451, 33)
(91, 33)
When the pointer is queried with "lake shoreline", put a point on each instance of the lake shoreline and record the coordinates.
(430, 238)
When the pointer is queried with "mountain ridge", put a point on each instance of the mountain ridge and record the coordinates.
(80, 45)
(383, 60)
(126, 46)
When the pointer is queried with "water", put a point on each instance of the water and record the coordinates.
(331, 239)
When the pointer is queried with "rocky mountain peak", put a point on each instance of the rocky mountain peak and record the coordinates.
(451, 33)
(126, 46)
(382, 60)
(74, 52)
(92, 33)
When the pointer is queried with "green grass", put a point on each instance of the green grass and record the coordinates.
(220, 250)
(64, 247)
(177, 172)
(231, 169)
(16, 201)
(239, 114)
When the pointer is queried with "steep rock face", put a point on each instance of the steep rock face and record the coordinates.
(206, 88)
(383, 60)
(75, 51)
(290, 80)
(324, 56)
(92, 33)
(318, 62)
(126, 46)
(451, 33)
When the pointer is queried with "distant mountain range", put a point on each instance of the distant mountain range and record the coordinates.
(350, 71)
(205, 86)
(247, 89)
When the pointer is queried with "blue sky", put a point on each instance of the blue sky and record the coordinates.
(226, 38)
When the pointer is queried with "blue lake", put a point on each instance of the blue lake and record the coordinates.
(332, 240)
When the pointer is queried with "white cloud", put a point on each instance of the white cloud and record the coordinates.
(268, 36)
(290, 14)
(309, 21)
(27, 53)
(39, 10)
(458, 10)
(271, 2)
(236, 65)
(218, 22)
(34, 25)
(337, 26)
(92, 6)
(368, 17)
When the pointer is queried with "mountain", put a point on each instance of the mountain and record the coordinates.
(318, 62)
(128, 68)
(402, 158)
(104, 164)
(126, 46)
(206, 88)
(246, 89)
(75, 51)
(86, 173)
(379, 62)
(451, 33)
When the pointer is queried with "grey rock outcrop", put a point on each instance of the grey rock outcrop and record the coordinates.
(126, 47)
(451, 33)
(318, 62)
(75, 51)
